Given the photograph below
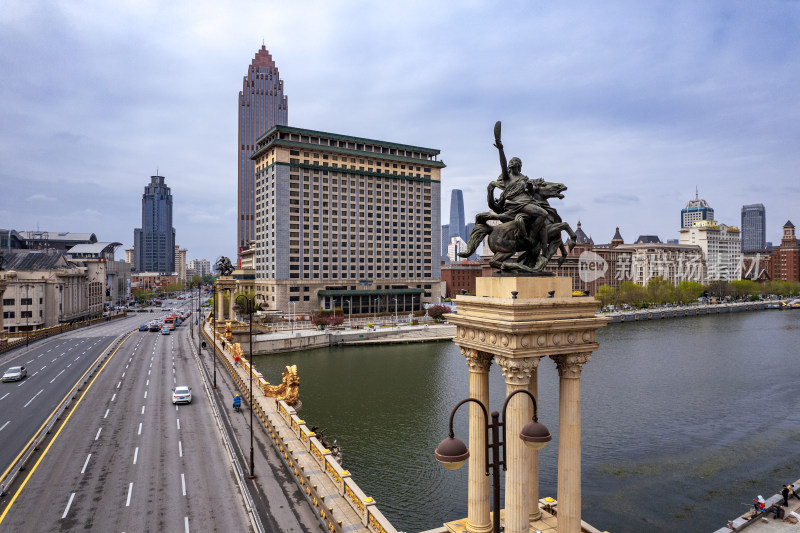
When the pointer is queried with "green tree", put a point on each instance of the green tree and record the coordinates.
(606, 295)
(690, 291)
(719, 288)
(742, 288)
(660, 290)
(632, 294)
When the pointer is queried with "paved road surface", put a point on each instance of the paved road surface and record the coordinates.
(127, 459)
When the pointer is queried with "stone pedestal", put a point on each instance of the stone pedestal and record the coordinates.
(518, 321)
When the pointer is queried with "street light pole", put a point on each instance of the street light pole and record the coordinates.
(350, 314)
(452, 453)
(294, 314)
(238, 308)
(375, 316)
(395, 311)
(214, 332)
(27, 314)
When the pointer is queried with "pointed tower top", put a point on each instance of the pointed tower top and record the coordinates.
(263, 58)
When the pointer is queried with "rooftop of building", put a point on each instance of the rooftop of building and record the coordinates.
(33, 260)
(58, 236)
(647, 239)
(277, 139)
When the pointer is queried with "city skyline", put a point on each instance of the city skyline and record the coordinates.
(631, 106)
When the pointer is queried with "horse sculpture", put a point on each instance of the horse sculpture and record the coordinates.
(513, 235)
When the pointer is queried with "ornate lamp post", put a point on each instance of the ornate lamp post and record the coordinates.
(245, 304)
(452, 452)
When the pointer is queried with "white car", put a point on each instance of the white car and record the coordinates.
(15, 373)
(182, 394)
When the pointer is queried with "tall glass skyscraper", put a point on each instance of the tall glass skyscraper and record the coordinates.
(262, 106)
(754, 229)
(457, 223)
(154, 242)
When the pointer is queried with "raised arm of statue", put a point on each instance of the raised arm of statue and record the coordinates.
(499, 146)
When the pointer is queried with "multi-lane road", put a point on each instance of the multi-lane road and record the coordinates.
(125, 458)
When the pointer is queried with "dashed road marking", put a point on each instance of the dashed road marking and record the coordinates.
(4, 425)
(180, 449)
(98, 433)
(34, 397)
(135, 454)
(128, 501)
(83, 470)
(106, 415)
(143, 409)
(183, 484)
(71, 496)
(140, 428)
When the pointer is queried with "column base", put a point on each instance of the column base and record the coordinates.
(546, 521)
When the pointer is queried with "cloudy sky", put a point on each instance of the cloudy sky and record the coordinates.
(631, 104)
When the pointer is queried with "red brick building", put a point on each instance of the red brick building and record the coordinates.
(460, 276)
(784, 263)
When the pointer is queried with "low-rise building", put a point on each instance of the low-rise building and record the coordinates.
(461, 276)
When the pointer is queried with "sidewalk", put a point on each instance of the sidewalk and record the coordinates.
(754, 522)
(295, 471)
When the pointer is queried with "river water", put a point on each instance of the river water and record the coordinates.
(684, 420)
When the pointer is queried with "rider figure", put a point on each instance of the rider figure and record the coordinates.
(237, 402)
(518, 199)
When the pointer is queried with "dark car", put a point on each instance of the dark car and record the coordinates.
(155, 327)
(143, 327)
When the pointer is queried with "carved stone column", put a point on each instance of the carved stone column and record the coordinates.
(534, 513)
(517, 371)
(569, 440)
(479, 489)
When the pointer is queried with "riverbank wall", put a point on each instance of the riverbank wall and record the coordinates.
(639, 315)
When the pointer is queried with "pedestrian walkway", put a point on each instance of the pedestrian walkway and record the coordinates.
(754, 522)
(333, 496)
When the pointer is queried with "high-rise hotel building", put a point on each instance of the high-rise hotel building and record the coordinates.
(154, 242)
(262, 105)
(345, 222)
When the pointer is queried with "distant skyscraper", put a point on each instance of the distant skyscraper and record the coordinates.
(154, 242)
(754, 230)
(697, 209)
(445, 240)
(457, 224)
(262, 105)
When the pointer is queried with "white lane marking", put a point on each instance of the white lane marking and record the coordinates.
(128, 501)
(123, 374)
(68, 504)
(186, 523)
(38, 356)
(118, 384)
(173, 370)
(183, 484)
(83, 470)
(45, 366)
(52, 380)
(106, 415)
(174, 380)
(178, 420)
(145, 394)
(4, 425)
(69, 365)
(54, 360)
(126, 366)
(98, 433)
(135, 455)
(176, 407)
(148, 383)
(29, 362)
(50, 350)
(77, 357)
(34, 397)
(180, 449)
(113, 397)
(148, 372)
(143, 409)
(151, 365)
(6, 394)
(140, 428)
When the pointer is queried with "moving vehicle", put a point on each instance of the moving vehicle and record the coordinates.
(165, 330)
(144, 327)
(15, 373)
(154, 326)
(182, 394)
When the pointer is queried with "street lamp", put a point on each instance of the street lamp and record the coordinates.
(294, 315)
(452, 452)
(350, 314)
(246, 306)
(395, 311)
(333, 306)
(412, 307)
(375, 317)
(27, 314)
(214, 331)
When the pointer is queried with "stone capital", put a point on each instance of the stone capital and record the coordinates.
(571, 365)
(477, 361)
(517, 370)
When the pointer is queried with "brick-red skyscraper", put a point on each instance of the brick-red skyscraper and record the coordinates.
(262, 105)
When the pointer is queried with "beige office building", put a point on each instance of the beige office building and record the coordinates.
(721, 245)
(345, 222)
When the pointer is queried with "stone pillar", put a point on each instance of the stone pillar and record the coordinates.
(569, 440)
(219, 312)
(517, 371)
(479, 487)
(534, 513)
(231, 303)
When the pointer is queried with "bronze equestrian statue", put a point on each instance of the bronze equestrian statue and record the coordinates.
(528, 224)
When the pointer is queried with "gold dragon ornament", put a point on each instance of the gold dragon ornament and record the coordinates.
(289, 389)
